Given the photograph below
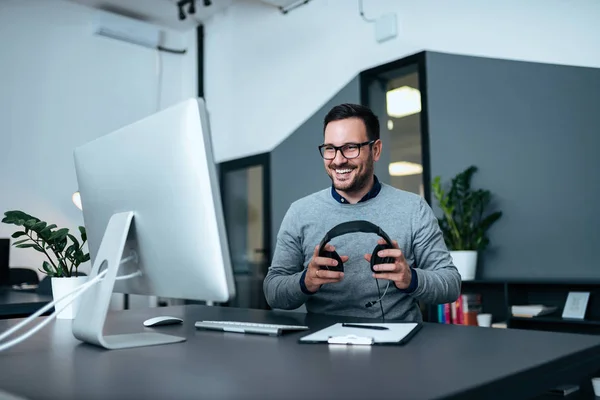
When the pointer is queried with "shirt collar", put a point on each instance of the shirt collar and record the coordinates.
(371, 194)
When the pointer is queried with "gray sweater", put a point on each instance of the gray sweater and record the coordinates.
(404, 216)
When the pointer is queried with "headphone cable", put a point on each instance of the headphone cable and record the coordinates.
(380, 300)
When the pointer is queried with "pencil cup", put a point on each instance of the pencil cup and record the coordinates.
(484, 320)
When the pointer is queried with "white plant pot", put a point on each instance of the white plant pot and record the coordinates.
(466, 263)
(596, 386)
(62, 287)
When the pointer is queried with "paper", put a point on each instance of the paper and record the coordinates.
(338, 333)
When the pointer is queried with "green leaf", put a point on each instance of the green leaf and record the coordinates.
(60, 245)
(47, 267)
(18, 234)
(38, 226)
(74, 240)
(25, 246)
(59, 235)
(45, 233)
(71, 250)
(16, 217)
(463, 224)
(30, 223)
(83, 233)
(20, 241)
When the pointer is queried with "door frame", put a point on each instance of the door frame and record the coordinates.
(264, 160)
(369, 76)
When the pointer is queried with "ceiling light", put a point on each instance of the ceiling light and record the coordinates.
(390, 124)
(404, 168)
(403, 101)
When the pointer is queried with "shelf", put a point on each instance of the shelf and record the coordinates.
(533, 282)
(556, 320)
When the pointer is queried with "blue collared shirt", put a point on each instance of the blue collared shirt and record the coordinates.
(370, 195)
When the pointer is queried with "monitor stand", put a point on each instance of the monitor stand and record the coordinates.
(89, 322)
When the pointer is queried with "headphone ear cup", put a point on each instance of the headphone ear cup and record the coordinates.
(375, 259)
(335, 256)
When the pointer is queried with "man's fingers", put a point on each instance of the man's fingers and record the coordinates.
(324, 281)
(325, 274)
(395, 253)
(325, 261)
(344, 258)
(386, 268)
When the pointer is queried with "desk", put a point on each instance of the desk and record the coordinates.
(16, 304)
(441, 361)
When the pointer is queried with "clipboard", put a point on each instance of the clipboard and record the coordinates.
(397, 334)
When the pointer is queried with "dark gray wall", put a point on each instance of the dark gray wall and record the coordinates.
(296, 167)
(534, 132)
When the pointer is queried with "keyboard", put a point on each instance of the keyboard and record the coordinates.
(248, 327)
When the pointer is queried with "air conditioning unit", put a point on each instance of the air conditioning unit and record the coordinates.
(127, 29)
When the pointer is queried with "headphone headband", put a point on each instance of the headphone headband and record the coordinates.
(351, 227)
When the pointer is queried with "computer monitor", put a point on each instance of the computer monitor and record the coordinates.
(150, 189)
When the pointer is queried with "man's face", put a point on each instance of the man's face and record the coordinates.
(350, 174)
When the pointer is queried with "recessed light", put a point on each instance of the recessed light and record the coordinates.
(404, 168)
(403, 101)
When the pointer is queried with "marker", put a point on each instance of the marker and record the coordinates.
(379, 328)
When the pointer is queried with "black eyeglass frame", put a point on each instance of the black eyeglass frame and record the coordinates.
(340, 148)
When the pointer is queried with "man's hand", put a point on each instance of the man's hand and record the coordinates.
(399, 272)
(315, 276)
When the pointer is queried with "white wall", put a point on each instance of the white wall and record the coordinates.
(60, 87)
(267, 72)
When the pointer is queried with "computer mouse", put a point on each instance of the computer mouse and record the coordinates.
(162, 320)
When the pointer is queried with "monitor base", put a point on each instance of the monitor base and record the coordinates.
(88, 325)
(129, 340)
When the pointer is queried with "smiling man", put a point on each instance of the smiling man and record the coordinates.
(418, 267)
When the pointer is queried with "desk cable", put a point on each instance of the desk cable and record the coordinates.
(76, 292)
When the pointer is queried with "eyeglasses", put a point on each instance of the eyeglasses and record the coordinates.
(349, 150)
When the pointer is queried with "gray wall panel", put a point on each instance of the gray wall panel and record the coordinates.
(534, 132)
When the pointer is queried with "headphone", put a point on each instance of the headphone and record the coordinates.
(351, 227)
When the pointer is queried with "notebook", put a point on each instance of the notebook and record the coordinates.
(395, 334)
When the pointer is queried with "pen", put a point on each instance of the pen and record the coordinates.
(379, 328)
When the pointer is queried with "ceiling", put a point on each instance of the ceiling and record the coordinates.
(166, 12)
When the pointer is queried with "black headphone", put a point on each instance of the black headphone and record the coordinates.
(351, 227)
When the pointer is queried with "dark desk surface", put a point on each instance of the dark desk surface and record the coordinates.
(15, 303)
(442, 361)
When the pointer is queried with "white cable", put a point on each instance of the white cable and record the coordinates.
(384, 292)
(50, 305)
(81, 289)
(361, 12)
(76, 292)
(26, 335)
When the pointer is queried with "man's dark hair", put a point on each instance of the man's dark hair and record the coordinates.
(344, 111)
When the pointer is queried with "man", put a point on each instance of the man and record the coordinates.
(422, 269)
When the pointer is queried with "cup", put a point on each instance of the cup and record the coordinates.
(596, 386)
(484, 320)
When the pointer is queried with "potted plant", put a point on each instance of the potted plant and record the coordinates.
(464, 222)
(64, 253)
